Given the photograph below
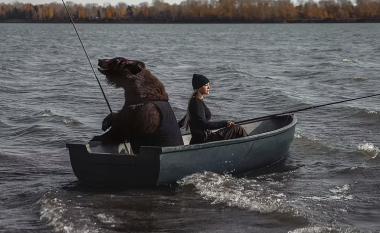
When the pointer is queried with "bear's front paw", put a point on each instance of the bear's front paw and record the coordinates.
(107, 122)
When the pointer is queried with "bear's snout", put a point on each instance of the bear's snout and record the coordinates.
(102, 63)
(103, 66)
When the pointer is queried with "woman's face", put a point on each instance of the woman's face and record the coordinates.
(205, 90)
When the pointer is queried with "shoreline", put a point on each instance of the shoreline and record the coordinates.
(195, 22)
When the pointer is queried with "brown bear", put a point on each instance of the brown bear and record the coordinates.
(146, 118)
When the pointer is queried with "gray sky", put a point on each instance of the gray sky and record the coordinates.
(100, 2)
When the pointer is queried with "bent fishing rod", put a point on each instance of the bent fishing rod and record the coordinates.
(302, 109)
(101, 88)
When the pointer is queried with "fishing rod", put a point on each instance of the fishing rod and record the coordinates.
(101, 88)
(303, 109)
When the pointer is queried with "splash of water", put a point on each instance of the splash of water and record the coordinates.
(47, 113)
(70, 121)
(369, 148)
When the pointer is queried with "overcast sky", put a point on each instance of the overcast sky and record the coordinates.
(100, 2)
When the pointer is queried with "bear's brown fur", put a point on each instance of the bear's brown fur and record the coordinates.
(140, 85)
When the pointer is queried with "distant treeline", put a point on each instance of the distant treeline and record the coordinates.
(199, 11)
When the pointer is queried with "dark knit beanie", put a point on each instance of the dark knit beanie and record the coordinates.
(198, 81)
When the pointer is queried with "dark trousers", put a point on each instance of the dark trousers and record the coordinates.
(235, 131)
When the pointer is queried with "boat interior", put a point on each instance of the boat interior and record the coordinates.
(252, 128)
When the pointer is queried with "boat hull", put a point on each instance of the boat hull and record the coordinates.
(268, 143)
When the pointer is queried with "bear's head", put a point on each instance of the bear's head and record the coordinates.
(132, 76)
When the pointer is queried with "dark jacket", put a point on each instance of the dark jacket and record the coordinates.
(200, 124)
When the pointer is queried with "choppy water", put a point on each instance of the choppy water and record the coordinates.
(330, 182)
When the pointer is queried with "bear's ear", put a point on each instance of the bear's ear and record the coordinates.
(134, 67)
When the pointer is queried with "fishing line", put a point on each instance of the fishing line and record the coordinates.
(303, 109)
(101, 88)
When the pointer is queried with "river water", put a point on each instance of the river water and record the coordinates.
(329, 183)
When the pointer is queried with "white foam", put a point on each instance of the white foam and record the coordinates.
(371, 112)
(297, 134)
(47, 113)
(59, 216)
(370, 148)
(349, 60)
(338, 189)
(241, 193)
(69, 121)
(320, 229)
(330, 198)
(311, 230)
(52, 210)
(336, 193)
(106, 219)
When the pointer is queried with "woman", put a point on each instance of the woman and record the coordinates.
(198, 117)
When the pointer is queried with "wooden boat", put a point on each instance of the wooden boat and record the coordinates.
(268, 142)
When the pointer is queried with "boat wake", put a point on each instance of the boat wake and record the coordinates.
(321, 229)
(263, 194)
(242, 193)
(58, 215)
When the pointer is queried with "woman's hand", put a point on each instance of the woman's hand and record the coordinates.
(230, 123)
